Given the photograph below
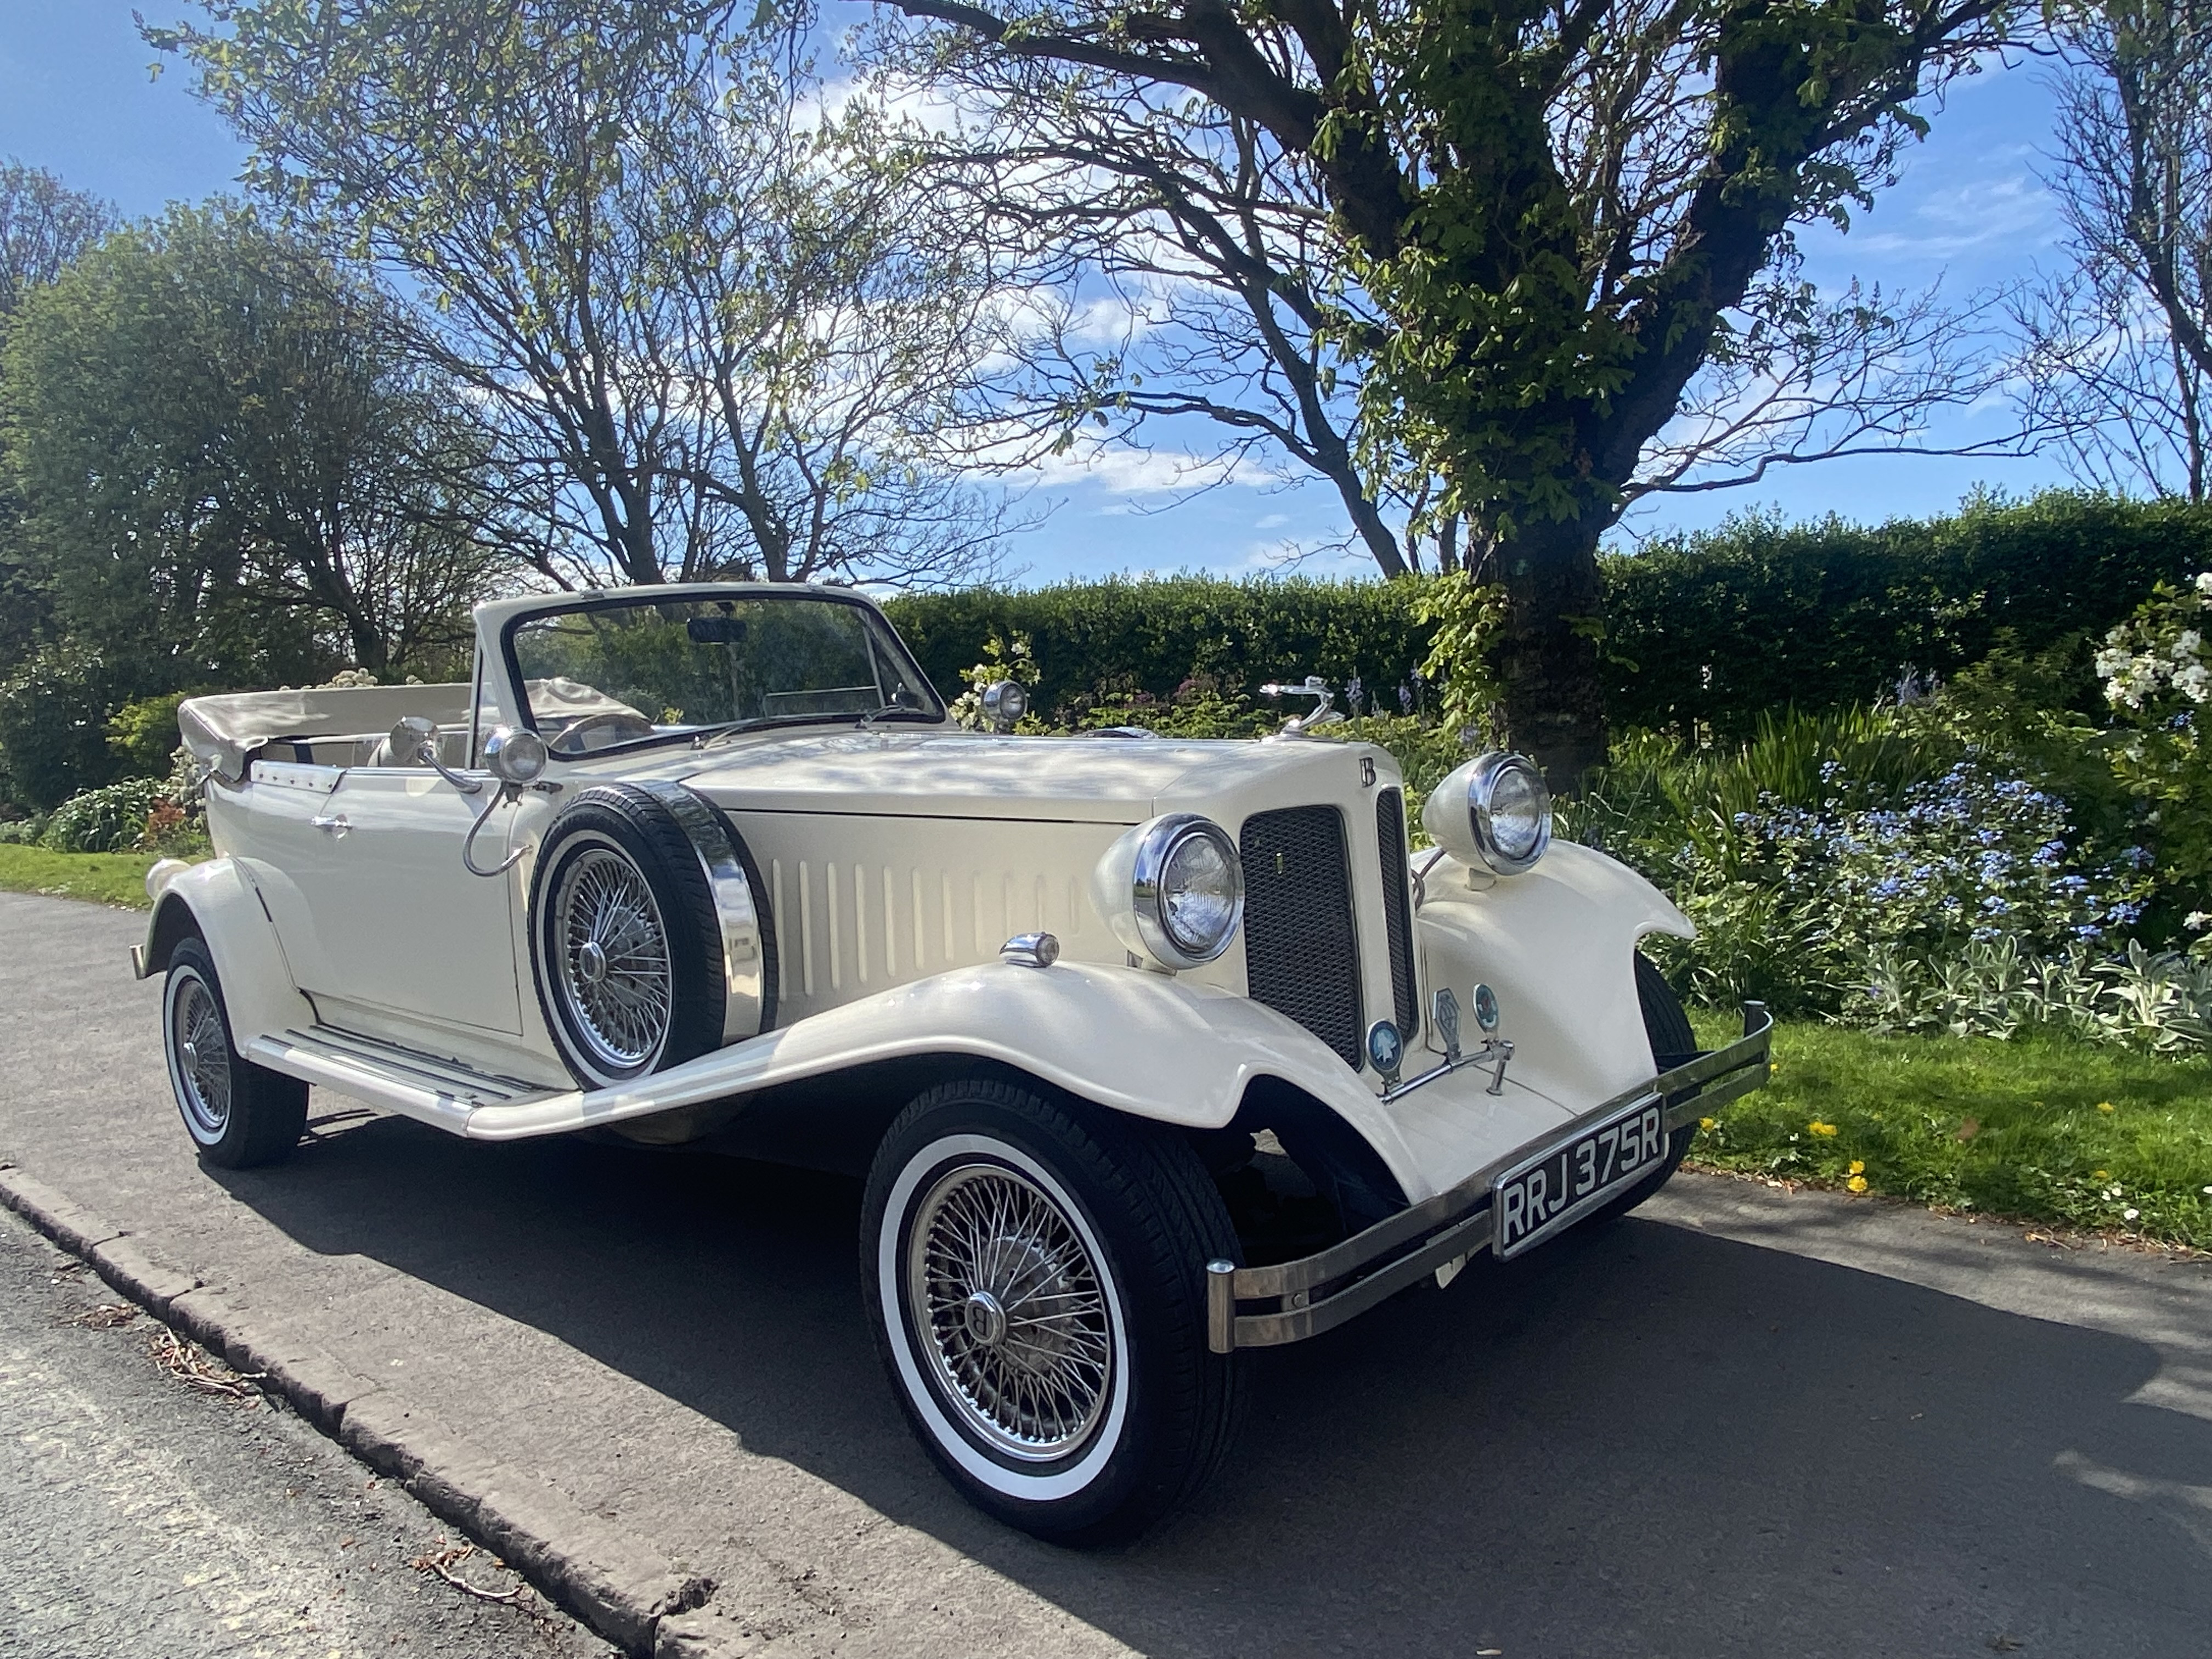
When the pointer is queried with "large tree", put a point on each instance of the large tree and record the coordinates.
(45, 226)
(1551, 206)
(708, 333)
(227, 475)
(2117, 340)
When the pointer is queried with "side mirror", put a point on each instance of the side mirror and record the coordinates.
(413, 742)
(409, 738)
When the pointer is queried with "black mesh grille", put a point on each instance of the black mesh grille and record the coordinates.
(1301, 956)
(1398, 912)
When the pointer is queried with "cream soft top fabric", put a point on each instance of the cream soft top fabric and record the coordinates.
(222, 731)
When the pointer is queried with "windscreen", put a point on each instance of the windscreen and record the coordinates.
(608, 674)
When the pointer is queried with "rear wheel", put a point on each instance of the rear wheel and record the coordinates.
(1667, 1025)
(238, 1114)
(1036, 1270)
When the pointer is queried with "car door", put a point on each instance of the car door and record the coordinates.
(397, 922)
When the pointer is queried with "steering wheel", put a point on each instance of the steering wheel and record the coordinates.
(569, 739)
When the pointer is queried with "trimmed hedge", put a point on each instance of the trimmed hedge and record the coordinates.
(1721, 627)
(1715, 627)
(1123, 636)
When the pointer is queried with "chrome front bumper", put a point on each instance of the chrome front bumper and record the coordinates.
(1318, 1292)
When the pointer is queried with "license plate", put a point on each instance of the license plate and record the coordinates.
(1548, 1192)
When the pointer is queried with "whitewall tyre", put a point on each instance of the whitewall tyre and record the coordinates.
(1036, 1272)
(238, 1114)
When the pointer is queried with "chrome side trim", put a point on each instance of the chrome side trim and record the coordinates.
(736, 911)
(1425, 1236)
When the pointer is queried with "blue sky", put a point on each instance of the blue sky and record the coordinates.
(75, 98)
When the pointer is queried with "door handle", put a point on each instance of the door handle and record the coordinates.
(335, 823)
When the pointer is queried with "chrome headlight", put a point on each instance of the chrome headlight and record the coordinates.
(1494, 813)
(1173, 889)
(515, 757)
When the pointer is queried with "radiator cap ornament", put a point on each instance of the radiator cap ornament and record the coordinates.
(1386, 1050)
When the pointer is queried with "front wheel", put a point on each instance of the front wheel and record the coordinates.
(239, 1115)
(1036, 1272)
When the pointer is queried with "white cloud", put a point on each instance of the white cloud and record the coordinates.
(2015, 210)
(1127, 471)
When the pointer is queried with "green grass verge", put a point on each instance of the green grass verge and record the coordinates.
(101, 878)
(2043, 1127)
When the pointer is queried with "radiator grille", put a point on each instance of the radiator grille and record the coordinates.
(1398, 912)
(1301, 954)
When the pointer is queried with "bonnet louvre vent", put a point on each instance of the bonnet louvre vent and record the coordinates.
(1300, 954)
(1398, 912)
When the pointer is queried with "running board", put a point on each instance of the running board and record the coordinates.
(440, 1093)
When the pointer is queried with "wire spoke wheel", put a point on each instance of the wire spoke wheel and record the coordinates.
(1006, 1302)
(613, 965)
(202, 1051)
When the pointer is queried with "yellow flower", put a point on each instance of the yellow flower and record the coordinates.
(1858, 1166)
(2100, 1175)
(1856, 1184)
(1707, 1122)
(2104, 1105)
(1821, 1128)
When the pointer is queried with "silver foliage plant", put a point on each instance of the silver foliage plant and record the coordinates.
(2158, 999)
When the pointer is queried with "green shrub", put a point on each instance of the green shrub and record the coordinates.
(53, 727)
(1708, 631)
(1121, 637)
(143, 735)
(109, 819)
(1828, 849)
(2157, 674)
(22, 832)
(2155, 999)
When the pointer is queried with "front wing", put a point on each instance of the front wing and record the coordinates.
(1302, 1299)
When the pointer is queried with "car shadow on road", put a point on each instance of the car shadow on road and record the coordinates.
(1645, 1440)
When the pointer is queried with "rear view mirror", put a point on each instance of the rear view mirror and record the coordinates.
(715, 630)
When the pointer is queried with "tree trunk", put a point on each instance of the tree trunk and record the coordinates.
(1547, 659)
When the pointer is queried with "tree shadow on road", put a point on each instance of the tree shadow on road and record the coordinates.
(1645, 1440)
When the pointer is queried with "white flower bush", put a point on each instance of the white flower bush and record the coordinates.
(2159, 650)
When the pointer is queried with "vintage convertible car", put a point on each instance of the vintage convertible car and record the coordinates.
(1151, 1051)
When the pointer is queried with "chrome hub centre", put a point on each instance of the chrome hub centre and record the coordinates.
(592, 963)
(986, 1319)
(191, 1053)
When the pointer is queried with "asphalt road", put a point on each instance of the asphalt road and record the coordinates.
(1741, 1424)
(140, 1517)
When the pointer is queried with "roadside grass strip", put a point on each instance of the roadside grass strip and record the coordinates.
(116, 878)
(2043, 1128)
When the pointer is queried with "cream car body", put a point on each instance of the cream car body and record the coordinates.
(889, 862)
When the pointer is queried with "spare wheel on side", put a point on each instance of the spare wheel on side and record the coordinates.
(650, 937)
